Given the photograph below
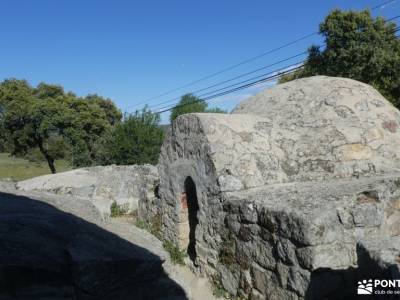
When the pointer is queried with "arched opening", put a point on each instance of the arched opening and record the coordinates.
(193, 208)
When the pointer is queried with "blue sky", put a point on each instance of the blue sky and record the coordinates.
(132, 50)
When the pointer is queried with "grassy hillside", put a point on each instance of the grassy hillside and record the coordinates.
(20, 169)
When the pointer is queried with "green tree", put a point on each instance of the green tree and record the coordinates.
(29, 121)
(358, 46)
(88, 121)
(136, 140)
(52, 121)
(4, 147)
(216, 110)
(113, 114)
(45, 91)
(192, 104)
(188, 104)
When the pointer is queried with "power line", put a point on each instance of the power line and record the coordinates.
(383, 4)
(225, 69)
(276, 74)
(266, 79)
(234, 78)
(297, 64)
(248, 73)
(243, 62)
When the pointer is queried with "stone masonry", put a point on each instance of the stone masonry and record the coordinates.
(287, 196)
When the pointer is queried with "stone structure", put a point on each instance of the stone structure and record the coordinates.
(102, 185)
(380, 256)
(272, 200)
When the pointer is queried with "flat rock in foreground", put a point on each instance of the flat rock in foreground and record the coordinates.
(65, 252)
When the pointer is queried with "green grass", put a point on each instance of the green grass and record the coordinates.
(219, 291)
(177, 255)
(20, 169)
(143, 225)
(117, 210)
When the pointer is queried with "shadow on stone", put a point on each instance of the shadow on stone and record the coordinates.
(193, 208)
(46, 253)
(332, 284)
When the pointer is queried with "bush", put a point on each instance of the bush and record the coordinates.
(154, 227)
(136, 140)
(177, 255)
(117, 210)
(34, 155)
(219, 291)
(143, 225)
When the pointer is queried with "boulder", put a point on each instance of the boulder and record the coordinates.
(103, 185)
(56, 247)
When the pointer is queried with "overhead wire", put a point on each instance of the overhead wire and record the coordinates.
(226, 69)
(234, 78)
(268, 76)
(277, 74)
(382, 5)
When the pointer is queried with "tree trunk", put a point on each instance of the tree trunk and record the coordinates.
(50, 160)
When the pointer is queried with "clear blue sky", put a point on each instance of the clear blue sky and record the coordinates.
(132, 50)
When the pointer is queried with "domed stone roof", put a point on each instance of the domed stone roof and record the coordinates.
(316, 128)
(334, 124)
(288, 183)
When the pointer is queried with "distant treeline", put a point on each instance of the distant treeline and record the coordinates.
(45, 122)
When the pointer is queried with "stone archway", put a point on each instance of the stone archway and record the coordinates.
(188, 218)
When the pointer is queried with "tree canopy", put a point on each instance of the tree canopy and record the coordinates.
(136, 140)
(191, 104)
(88, 130)
(46, 118)
(358, 46)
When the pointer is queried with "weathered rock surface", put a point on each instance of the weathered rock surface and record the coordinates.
(284, 188)
(58, 248)
(7, 186)
(103, 185)
(318, 128)
(379, 256)
(84, 257)
(302, 234)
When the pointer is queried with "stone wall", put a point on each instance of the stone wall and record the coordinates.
(285, 188)
(294, 240)
(300, 241)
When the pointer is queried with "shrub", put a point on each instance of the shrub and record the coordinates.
(177, 255)
(219, 291)
(117, 210)
(136, 140)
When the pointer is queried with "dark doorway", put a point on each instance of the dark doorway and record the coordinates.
(193, 207)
